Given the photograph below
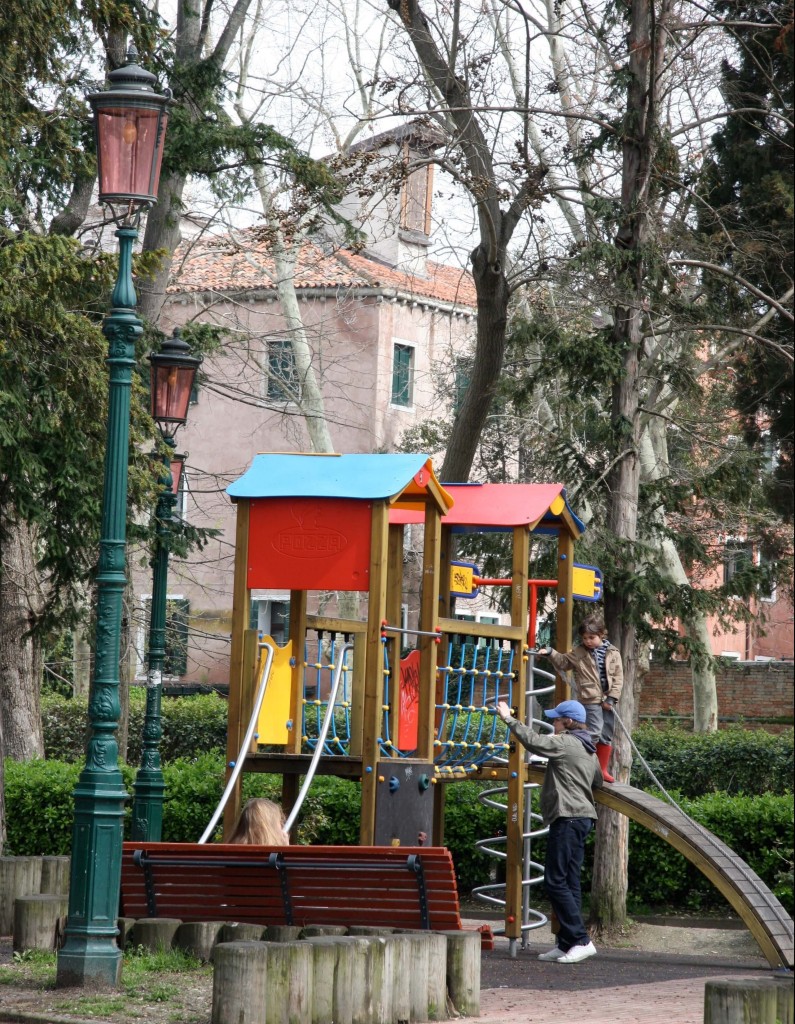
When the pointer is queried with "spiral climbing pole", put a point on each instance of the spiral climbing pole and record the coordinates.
(493, 893)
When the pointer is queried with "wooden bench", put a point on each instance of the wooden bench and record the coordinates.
(382, 886)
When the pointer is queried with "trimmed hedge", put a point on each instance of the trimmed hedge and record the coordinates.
(39, 812)
(734, 760)
(190, 725)
(759, 828)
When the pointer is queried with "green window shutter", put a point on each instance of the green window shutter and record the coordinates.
(463, 377)
(402, 374)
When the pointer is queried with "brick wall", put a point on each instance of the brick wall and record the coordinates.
(758, 692)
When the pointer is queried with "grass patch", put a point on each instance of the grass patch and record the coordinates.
(163, 987)
(93, 1006)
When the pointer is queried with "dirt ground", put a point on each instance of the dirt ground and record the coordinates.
(652, 952)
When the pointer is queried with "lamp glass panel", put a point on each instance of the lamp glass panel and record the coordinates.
(171, 388)
(128, 138)
(176, 474)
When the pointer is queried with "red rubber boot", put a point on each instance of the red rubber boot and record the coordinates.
(603, 751)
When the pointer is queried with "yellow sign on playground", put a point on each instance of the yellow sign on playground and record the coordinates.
(586, 584)
(586, 581)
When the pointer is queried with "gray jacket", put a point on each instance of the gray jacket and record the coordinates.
(572, 771)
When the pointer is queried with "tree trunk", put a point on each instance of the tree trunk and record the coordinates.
(2, 791)
(646, 42)
(497, 221)
(492, 321)
(705, 688)
(655, 466)
(20, 650)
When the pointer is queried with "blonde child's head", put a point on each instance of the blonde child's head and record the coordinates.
(261, 823)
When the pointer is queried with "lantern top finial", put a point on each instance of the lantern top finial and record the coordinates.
(131, 76)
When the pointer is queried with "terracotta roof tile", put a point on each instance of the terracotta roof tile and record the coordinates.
(242, 262)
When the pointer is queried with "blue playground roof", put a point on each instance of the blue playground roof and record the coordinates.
(376, 477)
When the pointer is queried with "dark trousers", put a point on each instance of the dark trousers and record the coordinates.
(562, 866)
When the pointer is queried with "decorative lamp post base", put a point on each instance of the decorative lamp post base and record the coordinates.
(91, 955)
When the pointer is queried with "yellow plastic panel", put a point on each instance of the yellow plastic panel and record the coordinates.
(275, 710)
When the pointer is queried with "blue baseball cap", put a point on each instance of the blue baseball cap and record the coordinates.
(568, 709)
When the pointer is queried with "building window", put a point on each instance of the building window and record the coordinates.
(271, 618)
(403, 375)
(766, 593)
(737, 555)
(282, 382)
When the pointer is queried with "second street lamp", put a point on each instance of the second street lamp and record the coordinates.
(130, 121)
(173, 374)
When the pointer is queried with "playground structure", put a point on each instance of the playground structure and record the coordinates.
(339, 698)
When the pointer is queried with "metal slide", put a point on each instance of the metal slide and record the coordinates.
(265, 662)
(310, 774)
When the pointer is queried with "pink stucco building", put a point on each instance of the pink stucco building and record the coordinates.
(387, 345)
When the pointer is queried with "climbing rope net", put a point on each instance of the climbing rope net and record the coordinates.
(476, 674)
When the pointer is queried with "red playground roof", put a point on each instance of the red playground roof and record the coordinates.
(490, 507)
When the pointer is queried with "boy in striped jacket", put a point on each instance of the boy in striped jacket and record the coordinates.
(598, 680)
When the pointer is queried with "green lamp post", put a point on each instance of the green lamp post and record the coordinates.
(173, 373)
(130, 124)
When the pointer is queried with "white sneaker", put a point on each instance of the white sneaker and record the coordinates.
(577, 953)
(552, 954)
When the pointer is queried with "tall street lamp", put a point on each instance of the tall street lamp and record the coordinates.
(173, 373)
(130, 124)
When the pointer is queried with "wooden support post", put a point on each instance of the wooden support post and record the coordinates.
(240, 983)
(748, 1001)
(357, 692)
(290, 989)
(516, 758)
(198, 938)
(565, 605)
(39, 921)
(298, 636)
(155, 933)
(445, 607)
(240, 619)
(19, 876)
(55, 874)
(463, 971)
(374, 679)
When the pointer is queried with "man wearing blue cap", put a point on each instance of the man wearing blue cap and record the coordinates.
(568, 809)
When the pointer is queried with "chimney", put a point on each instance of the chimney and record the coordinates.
(396, 217)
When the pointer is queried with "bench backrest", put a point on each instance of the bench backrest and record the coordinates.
(399, 887)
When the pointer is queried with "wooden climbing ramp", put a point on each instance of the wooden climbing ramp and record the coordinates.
(762, 913)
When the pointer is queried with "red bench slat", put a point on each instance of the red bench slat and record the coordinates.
(327, 884)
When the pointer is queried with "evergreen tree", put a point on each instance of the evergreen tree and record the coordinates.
(749, 220)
